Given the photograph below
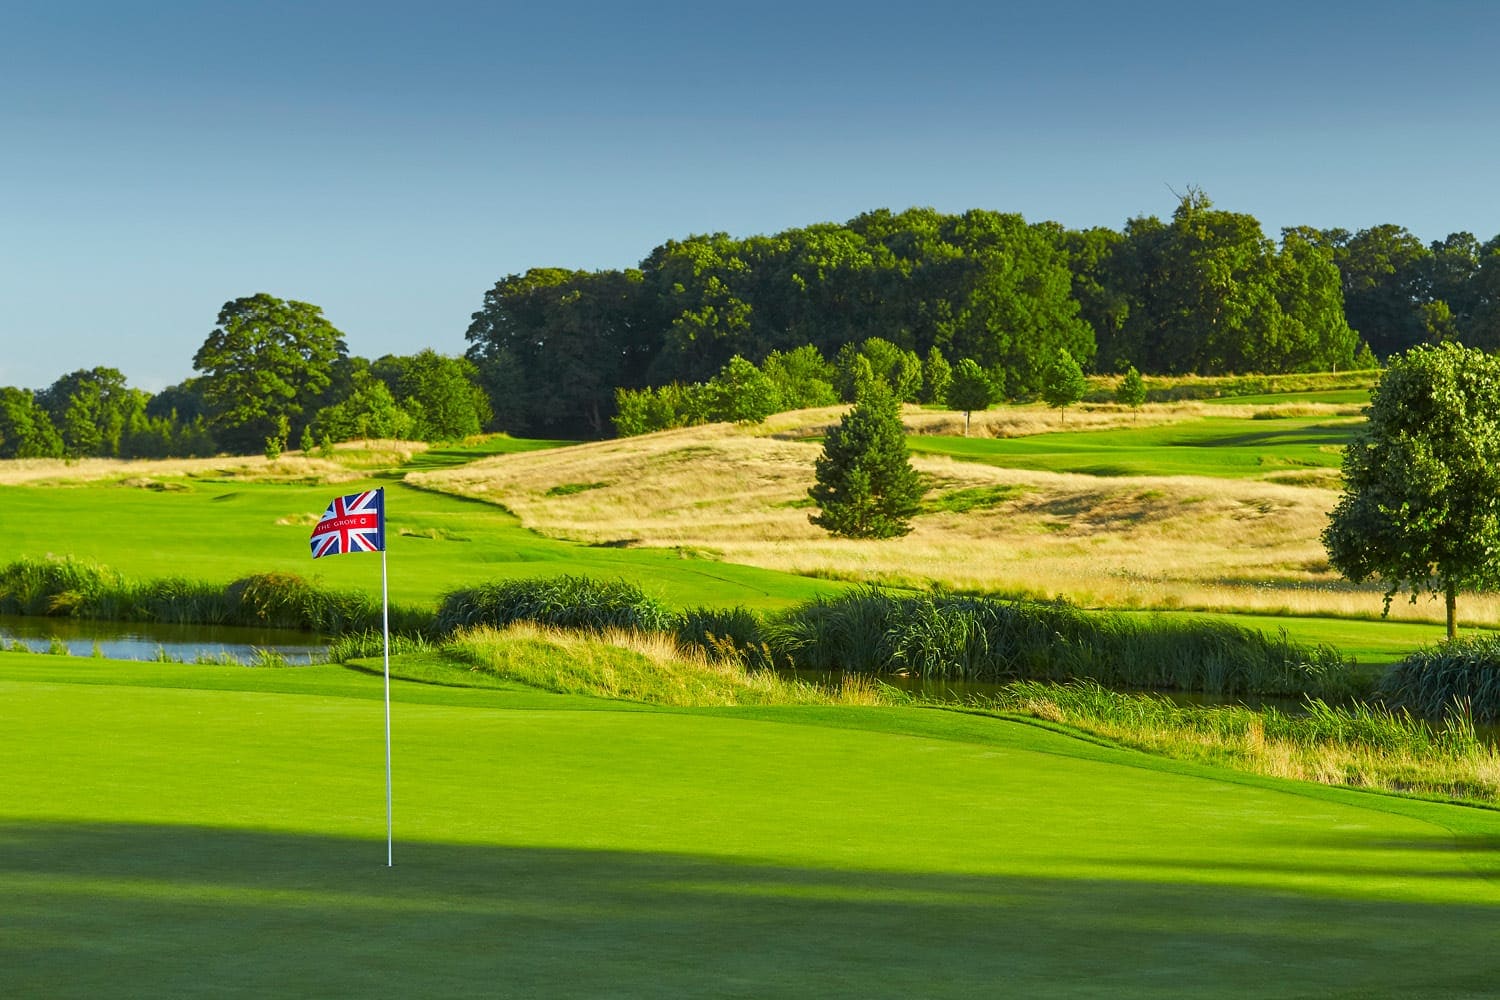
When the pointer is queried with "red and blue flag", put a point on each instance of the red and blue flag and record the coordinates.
(351, 524)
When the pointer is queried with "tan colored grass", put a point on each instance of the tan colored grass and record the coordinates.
(638, 667)
(344, 464)
(1151, 542)
(1035, 418)
(1474, 774)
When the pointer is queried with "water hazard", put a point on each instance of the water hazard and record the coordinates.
(143, 641)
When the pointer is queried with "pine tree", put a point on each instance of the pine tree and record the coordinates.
(866, 487)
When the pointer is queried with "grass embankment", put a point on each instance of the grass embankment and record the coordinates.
(1356, 745)
(217, 525)
(1224, 543)
(191, 831)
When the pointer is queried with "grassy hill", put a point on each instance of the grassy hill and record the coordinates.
(1204, 506)
(198, 831)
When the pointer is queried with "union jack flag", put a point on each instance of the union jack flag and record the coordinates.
(351, 524)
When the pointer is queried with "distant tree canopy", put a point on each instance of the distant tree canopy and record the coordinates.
(803, 318)
(1203, 292)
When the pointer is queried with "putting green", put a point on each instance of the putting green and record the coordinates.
(180, 830)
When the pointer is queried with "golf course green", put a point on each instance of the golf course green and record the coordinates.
(181, 830)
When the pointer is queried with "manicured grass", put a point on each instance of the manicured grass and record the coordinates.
(1233, 447)
(1374, 644)
(193, 831)
(1337, 397)
(217, 531)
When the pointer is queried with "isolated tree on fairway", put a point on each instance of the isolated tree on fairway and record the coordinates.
(866, 487)
(1421, 503)
(267, 364)
(1131, 391)
(1063, 383)
(970, 389)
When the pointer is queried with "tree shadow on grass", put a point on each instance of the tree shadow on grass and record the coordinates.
(120, 910)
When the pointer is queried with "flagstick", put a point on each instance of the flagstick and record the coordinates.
(385, 618)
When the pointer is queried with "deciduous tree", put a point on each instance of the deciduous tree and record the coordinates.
(1420, 509)
(266, 365)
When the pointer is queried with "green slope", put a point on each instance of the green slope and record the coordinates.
(218, 531)
(195, 831)
(1232, 447)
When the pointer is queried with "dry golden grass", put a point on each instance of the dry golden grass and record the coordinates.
(1150, 542)
(1020, 421)
(343, 464)
(1474, 774)
(639, 667)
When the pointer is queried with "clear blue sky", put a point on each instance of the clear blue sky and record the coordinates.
(390, 162)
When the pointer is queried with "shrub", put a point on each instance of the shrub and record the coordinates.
(1455, 676)
(971, 638)
(564, 601)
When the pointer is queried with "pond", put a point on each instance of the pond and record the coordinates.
(143, 641)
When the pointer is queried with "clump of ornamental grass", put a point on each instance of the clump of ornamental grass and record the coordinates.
(1359, 745)
(951, 637)
(635, 666)
(1463, 671)
(577, 602)
(371, 643)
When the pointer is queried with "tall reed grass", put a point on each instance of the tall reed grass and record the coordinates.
(952, 637)
(577, 602)
(1359, 745)
(1458, 672)
(74, 588)
(647, 667)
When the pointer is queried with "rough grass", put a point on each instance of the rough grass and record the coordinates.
(1362, 746)
(635, 666)
(1178, 542)
(344, 462)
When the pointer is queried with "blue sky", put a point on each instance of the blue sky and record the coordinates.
(390, 162)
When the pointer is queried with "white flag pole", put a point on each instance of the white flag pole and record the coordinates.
(385, 618)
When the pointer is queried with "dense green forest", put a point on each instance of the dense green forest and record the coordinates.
(718, 327)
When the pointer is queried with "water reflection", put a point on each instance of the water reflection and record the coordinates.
(142, 641)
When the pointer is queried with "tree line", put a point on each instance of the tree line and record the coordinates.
(274, 374)
(713, 327)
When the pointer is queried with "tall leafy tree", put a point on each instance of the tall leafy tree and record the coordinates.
(441, 394)
(742, 393)
(801, 376)
(1420, 509)
(1385, 274)
(26, 429)
(266, 366)
(91, 408)
(865, 485)
(552, 345)
(1208, 293)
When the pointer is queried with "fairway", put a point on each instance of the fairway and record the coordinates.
(1234, 447)
(194, 831)
(219, 530)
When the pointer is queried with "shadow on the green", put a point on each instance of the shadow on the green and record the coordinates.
(118, 910)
